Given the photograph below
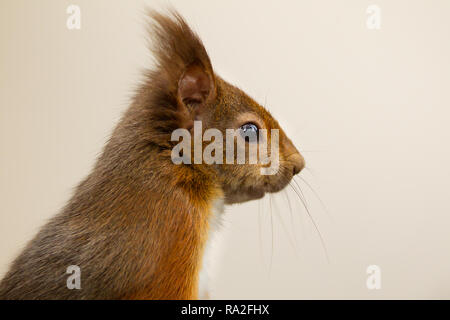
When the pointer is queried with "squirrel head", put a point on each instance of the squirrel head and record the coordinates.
(183, 89)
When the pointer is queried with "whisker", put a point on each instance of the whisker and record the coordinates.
(271, 233)
(292, 219)
(313, 222)
(284, 226)
(317, 196)
(260, 232)
(301, 191)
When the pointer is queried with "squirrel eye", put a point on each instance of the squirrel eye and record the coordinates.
(249, 132)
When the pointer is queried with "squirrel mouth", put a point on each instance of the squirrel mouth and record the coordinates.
(244, 194)
(238, 196)
(256, 193)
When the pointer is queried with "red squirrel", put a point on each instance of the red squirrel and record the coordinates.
(138, 225)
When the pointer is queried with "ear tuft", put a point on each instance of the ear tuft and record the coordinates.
(180, 86)
(182, 62)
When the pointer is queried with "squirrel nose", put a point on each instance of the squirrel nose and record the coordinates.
(298, 162)
(294, 157)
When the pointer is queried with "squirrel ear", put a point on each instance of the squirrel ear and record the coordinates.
(183, 66)
(195, 85)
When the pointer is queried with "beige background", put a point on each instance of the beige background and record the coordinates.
(369, 108)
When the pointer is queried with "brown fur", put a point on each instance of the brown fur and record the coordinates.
(137, 225)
